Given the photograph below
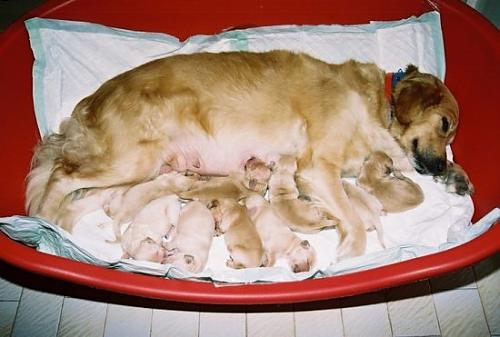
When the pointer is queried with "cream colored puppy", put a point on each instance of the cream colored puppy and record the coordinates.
(143, 238)
(277, 237)
(240, 235)
(123, 207)
(300, 215)
(235, 186)
(368, 208)
(395, 192)
(195, 230)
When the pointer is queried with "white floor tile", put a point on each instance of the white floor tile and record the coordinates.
(488, 280)
(9, 291)
(7, 316)
(80, 318)
(319, 323)
(222, 324)
(411, 310)
(270, 324)
(124, 321)
(370, 320)
(38, 314)
(460, 313)
(172, 323)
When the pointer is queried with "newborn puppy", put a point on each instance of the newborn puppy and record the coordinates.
(123, 207)
(368, 208)
(234, 186)
(190, 247)
(300, 215)
(240, 235)
(277, 237)
(144, 236)
(395, 192)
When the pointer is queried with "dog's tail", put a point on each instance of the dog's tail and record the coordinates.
(42, 165)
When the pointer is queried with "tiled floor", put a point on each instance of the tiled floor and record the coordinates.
(462, 304)
(466, 303)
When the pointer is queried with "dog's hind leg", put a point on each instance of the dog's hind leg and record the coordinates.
(322, 182)
(113, 168)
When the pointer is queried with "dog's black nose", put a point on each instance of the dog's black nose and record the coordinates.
(440, 166)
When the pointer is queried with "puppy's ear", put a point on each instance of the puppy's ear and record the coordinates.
(189, 259)
(213, 204)
(305, 244)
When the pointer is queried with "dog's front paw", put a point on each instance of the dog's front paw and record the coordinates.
(456, 180)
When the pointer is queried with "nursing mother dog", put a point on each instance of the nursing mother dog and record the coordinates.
(210, 113)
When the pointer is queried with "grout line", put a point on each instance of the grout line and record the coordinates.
(60, 316)
(342, 320)
(246, 324)
(151, 323)
(17, 311)
(105, 320)
(388, 313)
(199, 322)
(294, 324)
(435, 309)
(481, 300)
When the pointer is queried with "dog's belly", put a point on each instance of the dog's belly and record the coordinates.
(224, 155)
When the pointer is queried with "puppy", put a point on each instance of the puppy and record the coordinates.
(395, 192)
(195, 230)
(143, 239)
(240, 235)
(235, 186)
(277, 237)
(123, 207)
(368, 208)
(301, 215)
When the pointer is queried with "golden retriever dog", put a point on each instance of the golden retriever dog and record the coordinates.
(301, 215)
(190, 246)
(210, 113)
(144, 237)
(395, 192)
(368, 208)
(240, 235)
(278, 239)
(235, 186)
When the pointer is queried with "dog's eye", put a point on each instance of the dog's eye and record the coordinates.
(445, 124)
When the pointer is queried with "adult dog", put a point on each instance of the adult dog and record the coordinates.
(210, 113)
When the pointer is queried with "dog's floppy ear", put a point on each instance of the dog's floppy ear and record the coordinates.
(414, 94)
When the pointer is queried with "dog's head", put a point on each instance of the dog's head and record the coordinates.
(426, 119)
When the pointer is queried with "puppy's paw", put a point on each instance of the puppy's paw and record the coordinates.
(456, 180)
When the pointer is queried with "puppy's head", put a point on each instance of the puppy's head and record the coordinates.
(376, 166)
(301, 257)
(257, 173)
(183, 261)
(148, 250)
(426, 119)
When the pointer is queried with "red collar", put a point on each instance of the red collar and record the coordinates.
(388, 87)
(391, 80)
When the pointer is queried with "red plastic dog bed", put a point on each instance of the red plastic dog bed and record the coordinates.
(472, 48)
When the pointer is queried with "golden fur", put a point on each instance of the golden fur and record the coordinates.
(277, 238)
(240, 235)
(211, 113)
(300, 215)
(393, 190)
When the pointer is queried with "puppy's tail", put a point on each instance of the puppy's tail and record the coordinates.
(42, 166)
